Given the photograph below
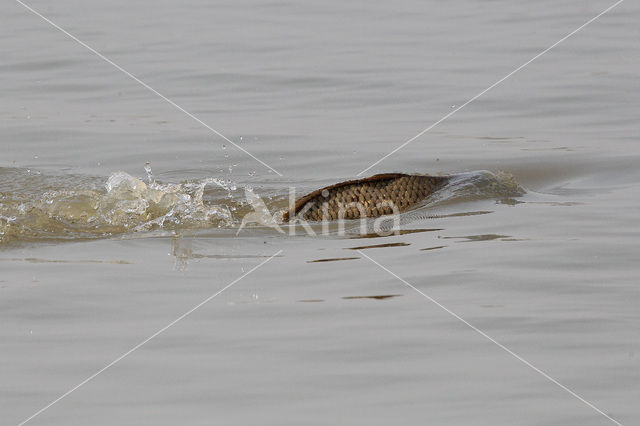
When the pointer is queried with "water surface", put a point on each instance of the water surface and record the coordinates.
(96, 254)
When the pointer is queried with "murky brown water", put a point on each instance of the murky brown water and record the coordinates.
(535, 242)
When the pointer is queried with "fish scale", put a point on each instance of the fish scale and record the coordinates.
(371, 197)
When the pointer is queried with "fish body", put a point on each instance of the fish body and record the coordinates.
(375, 196)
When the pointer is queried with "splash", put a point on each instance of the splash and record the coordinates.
(477, 185)
(33, 206)
(37, 207)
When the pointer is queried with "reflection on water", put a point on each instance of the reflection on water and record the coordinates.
(509, 201)
(183, 252)
(398, 232)
(558, 203)
(482, 237)
(379, 246)
(432, 248)
(514, 202)
(375, 297)
(335, 259)
(461, 214)
(36, 260)
(558, 148)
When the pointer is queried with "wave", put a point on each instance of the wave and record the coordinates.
(34, 206)
(38, 207)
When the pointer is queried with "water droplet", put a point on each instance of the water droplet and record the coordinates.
(147, 168)
(224, 146)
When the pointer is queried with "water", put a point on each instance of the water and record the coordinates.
(119, 213)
